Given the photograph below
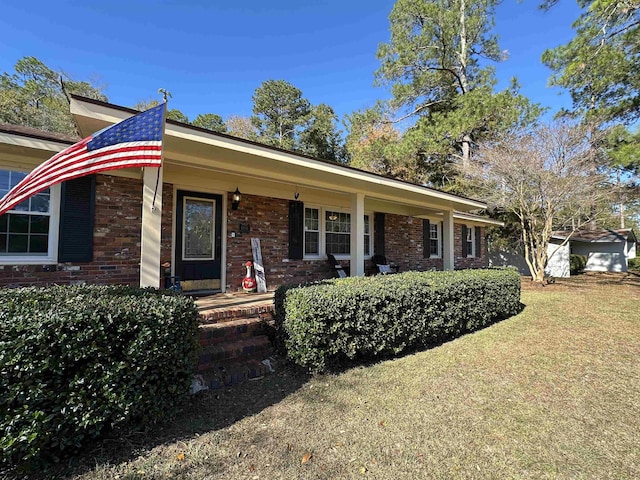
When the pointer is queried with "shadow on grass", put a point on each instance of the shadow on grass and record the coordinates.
(204, 412)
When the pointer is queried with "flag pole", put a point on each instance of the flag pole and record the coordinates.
(165, 96)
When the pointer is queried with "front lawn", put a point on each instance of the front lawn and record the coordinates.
(551, 393)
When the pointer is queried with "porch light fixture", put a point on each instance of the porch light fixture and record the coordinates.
(409, 219)
(235, 200)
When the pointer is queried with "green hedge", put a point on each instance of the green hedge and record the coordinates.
(320, 325)
(78, 361)
(634, 264)
(577, 263)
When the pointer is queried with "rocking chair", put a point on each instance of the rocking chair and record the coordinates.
(383, 266)
(336, 267)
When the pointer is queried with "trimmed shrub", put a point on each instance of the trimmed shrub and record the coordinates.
(577, 263)
(322, 324)
(78, 361)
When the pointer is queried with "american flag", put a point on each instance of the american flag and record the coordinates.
(134, 142)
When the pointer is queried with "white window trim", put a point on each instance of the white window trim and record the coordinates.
(471, 232)
(213, 239)
(51, 257)
(323, 232)
(439, 231)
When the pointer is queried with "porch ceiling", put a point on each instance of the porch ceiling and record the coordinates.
(191, 147)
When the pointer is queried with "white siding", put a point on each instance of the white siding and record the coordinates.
(602, 256)
(558, 263)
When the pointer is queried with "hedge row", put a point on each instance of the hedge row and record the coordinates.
(320, 325)
(78, 361)
(577, 263)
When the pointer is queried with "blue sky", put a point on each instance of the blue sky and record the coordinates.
(212, 55)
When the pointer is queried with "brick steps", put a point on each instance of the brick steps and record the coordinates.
(208, 316)
(232, 330)
(227, 374)
(258, 347)
(234, 344)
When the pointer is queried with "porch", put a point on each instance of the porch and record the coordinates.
(236, 330)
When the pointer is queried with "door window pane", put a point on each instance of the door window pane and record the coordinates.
(198, 230)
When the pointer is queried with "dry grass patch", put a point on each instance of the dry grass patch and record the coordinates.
(551, 393)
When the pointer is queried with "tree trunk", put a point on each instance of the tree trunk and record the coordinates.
(620, 198)
(464, 83)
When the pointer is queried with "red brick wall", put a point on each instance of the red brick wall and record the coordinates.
(116, 240)
(480, 260)
(403, 244)
(268, 220)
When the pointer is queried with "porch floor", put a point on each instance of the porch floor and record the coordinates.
(222, 302)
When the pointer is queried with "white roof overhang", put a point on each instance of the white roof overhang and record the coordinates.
(189, 146)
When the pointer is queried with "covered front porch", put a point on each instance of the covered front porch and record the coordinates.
(336, 207)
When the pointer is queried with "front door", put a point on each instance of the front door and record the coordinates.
(198, 240)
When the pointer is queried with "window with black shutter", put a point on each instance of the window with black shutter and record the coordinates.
(296, 230)
(426, 239)
(77, 200)
(378, 229)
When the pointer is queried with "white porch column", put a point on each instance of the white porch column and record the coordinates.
(448, 259)
(357, 234)
(151, 227)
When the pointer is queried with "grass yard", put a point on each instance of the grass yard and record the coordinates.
(551, 393)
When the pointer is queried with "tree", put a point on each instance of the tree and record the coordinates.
(623, 152)
(547, 177)
(242, 127)
(35, 96)
(280, 113)
(210, 121)
(374, 144)
(600, 66)
(432, 64)
(320, 137)
(172, 114)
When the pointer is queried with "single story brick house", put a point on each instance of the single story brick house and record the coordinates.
(122, 226)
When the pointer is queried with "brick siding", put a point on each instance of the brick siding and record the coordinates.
(116, 255)
(116, 241)
(268, 220)
(479, 261)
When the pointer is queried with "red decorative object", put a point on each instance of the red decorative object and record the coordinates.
(249, 281)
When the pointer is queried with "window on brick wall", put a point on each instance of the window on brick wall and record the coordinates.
(434, 240)
(29, 232)
(469, 245)
(329, 231)
(311, 231)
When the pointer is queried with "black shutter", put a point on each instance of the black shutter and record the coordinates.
(478, 251)
(378, 231)
(75, 243)
(296, 230)
(426, 238)
(465, 248)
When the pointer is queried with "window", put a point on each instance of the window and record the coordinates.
(28, 233)
(329, 231)
(367, 235)
(470, 242)
(338, 232)
(434, 240)
(311, 231)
